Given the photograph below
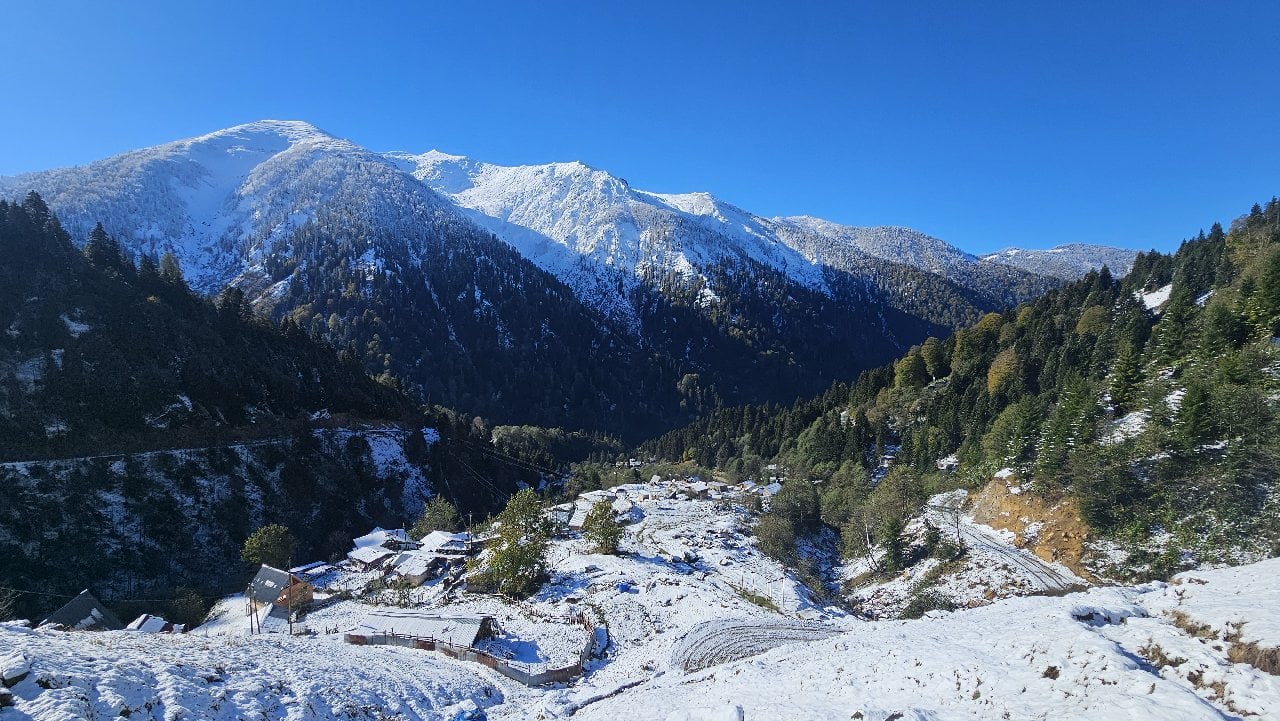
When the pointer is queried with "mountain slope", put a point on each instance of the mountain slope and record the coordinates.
(146, 431)
(1066, 262)
(555, 295)
(1149, 403)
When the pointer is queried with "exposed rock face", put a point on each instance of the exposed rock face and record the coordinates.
(1048, 526)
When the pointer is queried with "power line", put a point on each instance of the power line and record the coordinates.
(106, 600)
(475, 475)
(520, 463)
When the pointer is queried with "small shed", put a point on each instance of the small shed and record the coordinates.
(84, 613)
(581, 508)
(419, 566)
(147, 623)
(311, 571)
(274, 587)
(369, 558)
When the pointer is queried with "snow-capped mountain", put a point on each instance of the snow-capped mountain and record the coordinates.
(221, 202)
(902, 245)
(597, 233)
(505, 289)
(581, 223)
(1067, 262)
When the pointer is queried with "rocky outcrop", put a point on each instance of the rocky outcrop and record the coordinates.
(1049, 526)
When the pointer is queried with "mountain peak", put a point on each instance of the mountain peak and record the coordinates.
(270, 136)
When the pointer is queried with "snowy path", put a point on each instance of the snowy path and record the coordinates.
(1045, 576)
(715, 642)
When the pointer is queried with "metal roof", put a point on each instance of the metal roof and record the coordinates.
(84, 613)
(454, 630)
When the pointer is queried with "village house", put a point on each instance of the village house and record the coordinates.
(396, 539)
(273, 587)
(370, 558)
(418, 567)
(445, 543)
(84, 613)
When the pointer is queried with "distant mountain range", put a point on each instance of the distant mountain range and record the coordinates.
(550, 294)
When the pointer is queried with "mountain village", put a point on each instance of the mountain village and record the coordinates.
(687, 600)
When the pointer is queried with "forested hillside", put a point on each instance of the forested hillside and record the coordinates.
(97, 350)
(1152, 402)
(146, 430)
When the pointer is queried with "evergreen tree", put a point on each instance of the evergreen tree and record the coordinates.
(171, 270)
(1195, 421)
(270, 545)
(601, 528)
(516, 565)
(1125, 375)
(438, 515)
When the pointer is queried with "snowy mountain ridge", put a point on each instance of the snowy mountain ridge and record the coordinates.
(222, 200)
(587, 226)
(1066, 261)
(437, 261)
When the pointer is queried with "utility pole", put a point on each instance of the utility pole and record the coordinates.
(291, 591)
(251, 611)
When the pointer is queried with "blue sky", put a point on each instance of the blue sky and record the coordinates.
(986, 124)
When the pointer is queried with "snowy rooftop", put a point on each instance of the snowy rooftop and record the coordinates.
(379, 536)
(455, 630)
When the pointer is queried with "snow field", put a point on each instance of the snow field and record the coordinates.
(1021, 658)
(686, 644)
(992, 567)
(151, 676)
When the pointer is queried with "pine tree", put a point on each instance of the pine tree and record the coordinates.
(516, 565)
(601, 528)
(1125, 375)
(272, 545)
(171, 270)
(1195, 421)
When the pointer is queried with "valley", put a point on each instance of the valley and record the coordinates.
(1005, 501)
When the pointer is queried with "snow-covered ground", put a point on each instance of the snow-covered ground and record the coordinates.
(1087, 655)
(701, 624)
(152, 676)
